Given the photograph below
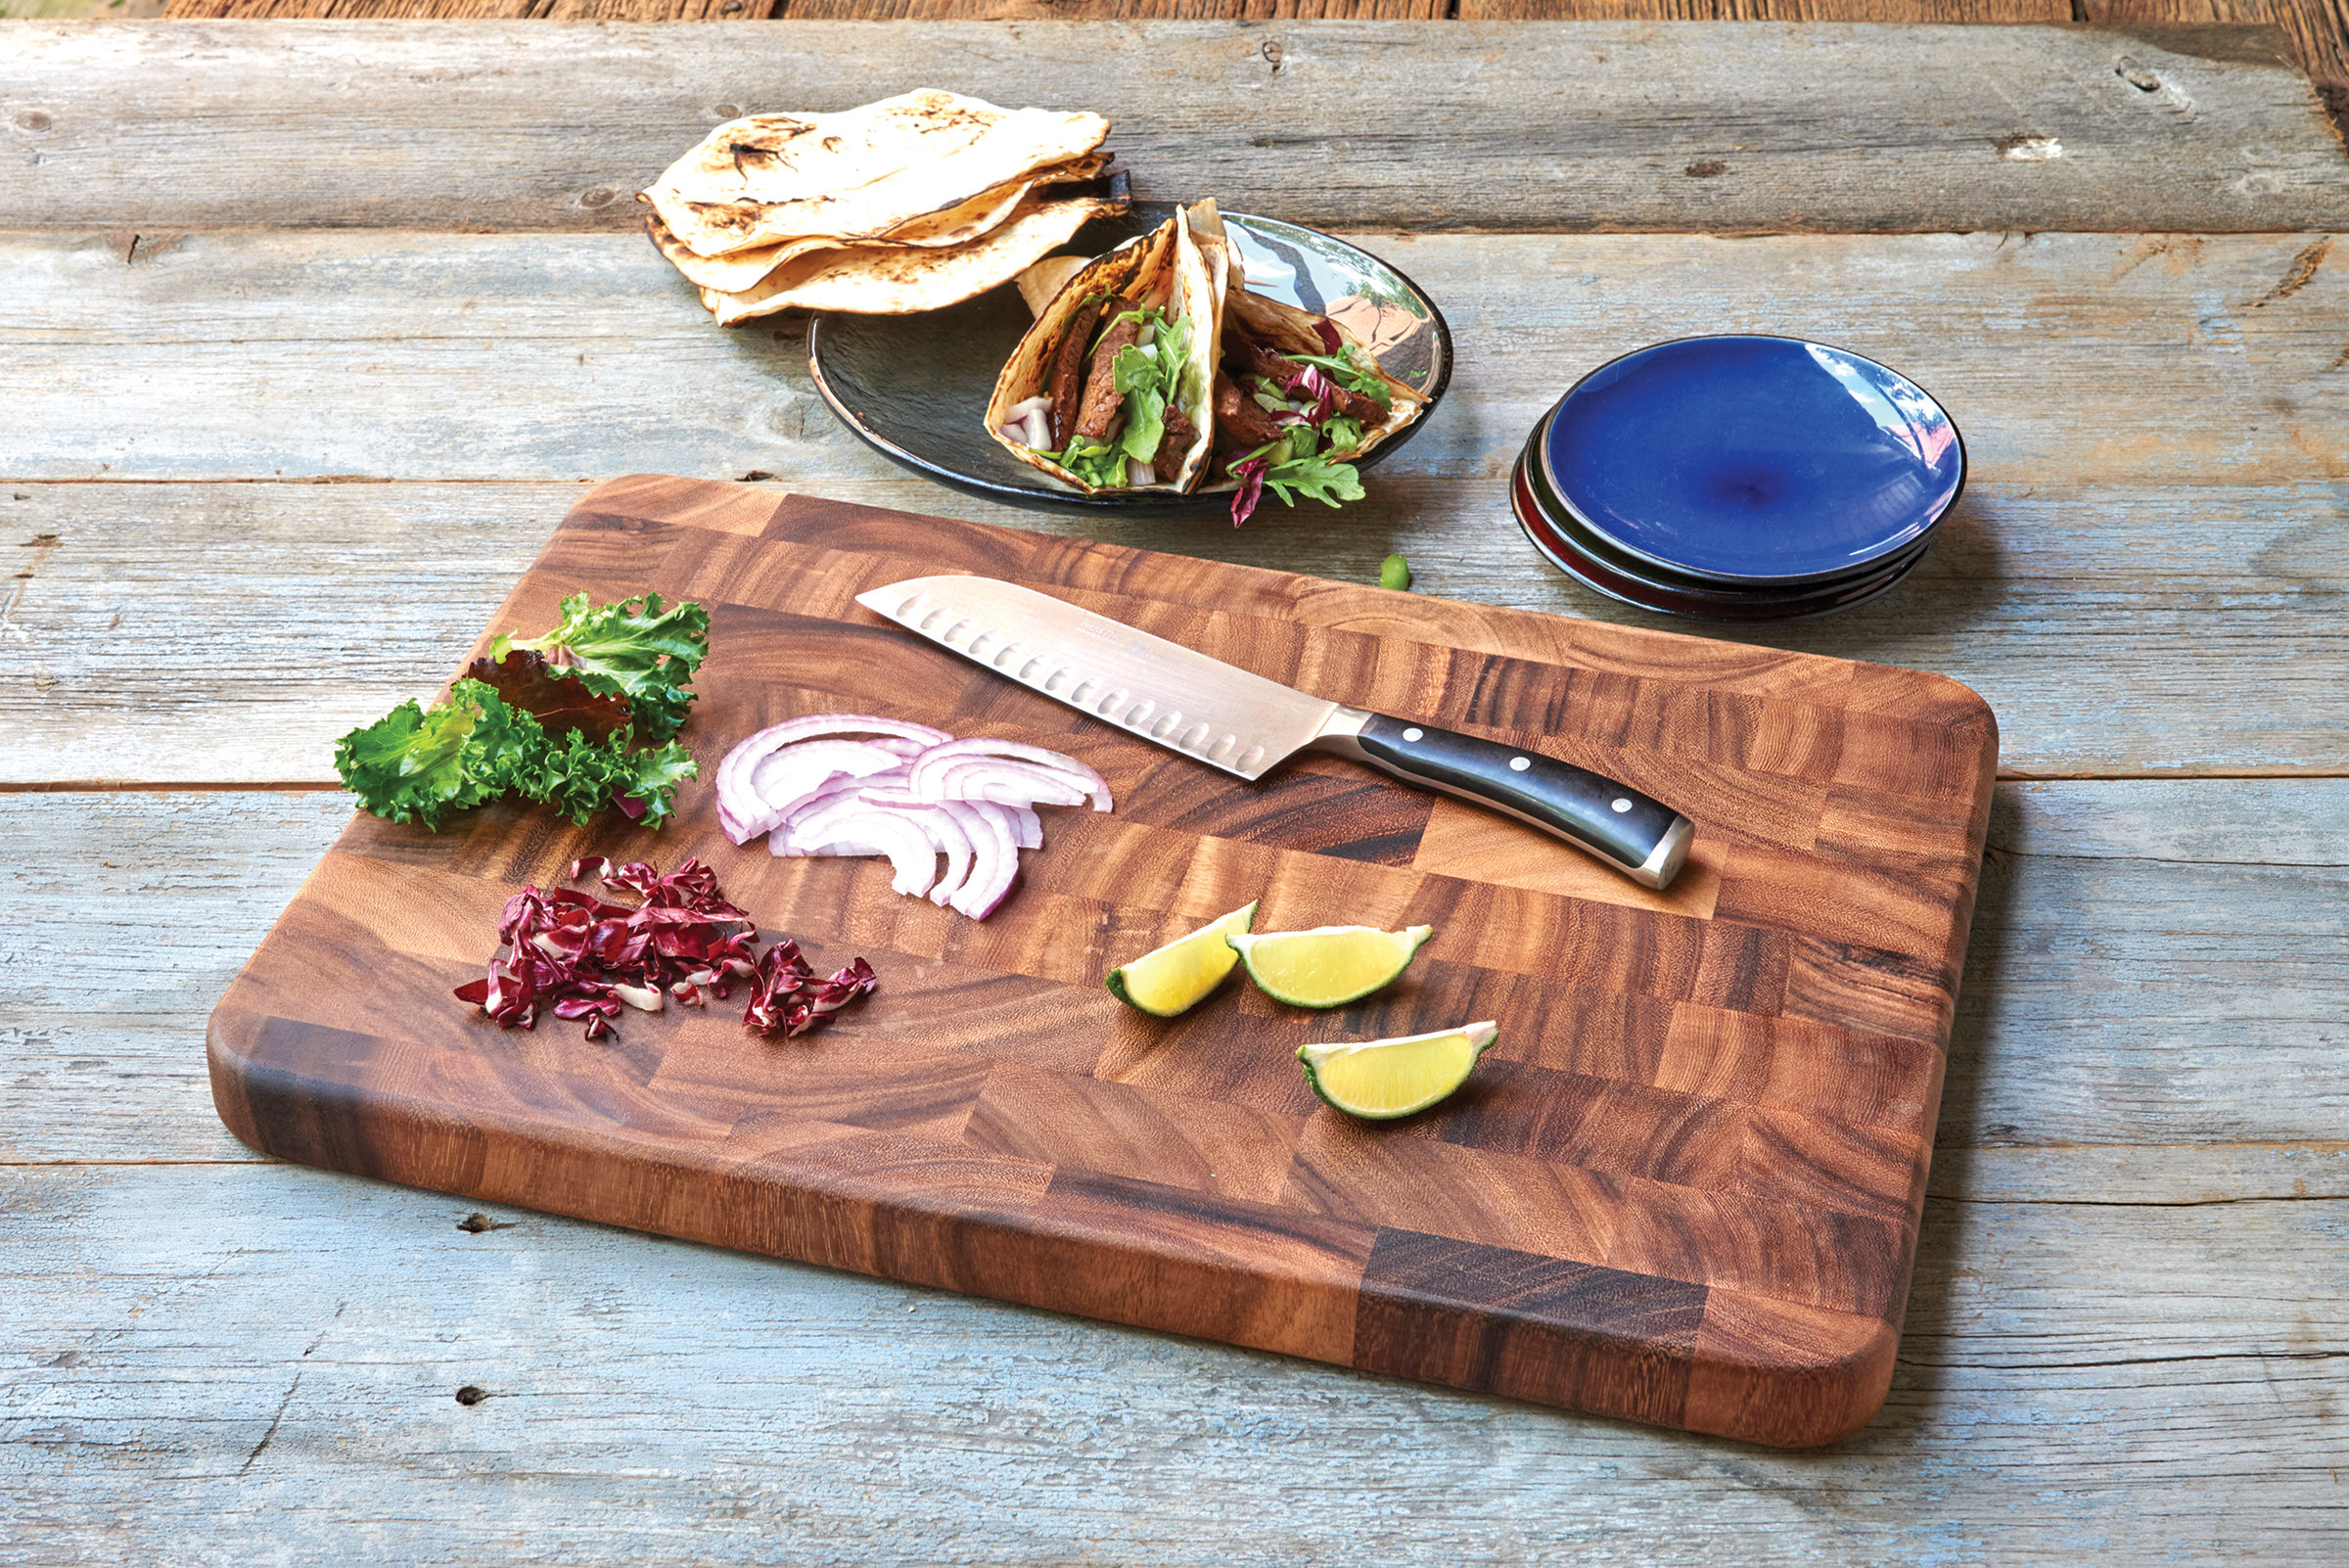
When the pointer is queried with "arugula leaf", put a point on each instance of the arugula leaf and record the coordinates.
(1343, 434)
(1355, 371)
(1322, 478)
(637, 648)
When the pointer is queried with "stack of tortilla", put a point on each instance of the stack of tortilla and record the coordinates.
(911, 203)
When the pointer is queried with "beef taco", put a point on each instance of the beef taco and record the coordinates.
(1297, 398)
(1112, 389)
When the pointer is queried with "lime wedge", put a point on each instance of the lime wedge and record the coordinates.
(1329, 966)
(1379, 1079)
(1173, 978)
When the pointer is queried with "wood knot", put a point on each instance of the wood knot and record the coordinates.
(726, 111)
(33, 121)
(1705, 168)
(468, 1395)
(601, 196)
(475, 1224)
(1270, 50)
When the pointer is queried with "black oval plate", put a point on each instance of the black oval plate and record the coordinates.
(915, 388)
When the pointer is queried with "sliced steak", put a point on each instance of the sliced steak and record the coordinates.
(1252, 358)
(1239, 422)
(1099, 415)
(1068, 373)
(1174, 446)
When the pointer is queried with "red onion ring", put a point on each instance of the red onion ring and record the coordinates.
(852, 784)
(938, 756)
(733, 772)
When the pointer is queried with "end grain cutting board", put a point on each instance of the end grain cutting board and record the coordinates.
(1682, 1188)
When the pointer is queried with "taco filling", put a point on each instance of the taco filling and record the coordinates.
(1116, 408)
(1110, 387)
(1290, 420)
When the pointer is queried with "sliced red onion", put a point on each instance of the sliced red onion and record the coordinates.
(844, 818)
(779, 782)
(940, 756)
(1004, 781)
(733, 796)
(787, 838)
(911, 855)
(1138, 472)
(995, 867)
(904, 791)
(945, 833)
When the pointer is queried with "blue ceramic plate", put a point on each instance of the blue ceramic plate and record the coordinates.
(915, 388)
(1753, 461)
(1559, 529)
(1712, 602)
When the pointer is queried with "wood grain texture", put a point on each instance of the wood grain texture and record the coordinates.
(994, 1123)
(271, 1375)
(2177, 559)
(2099, 1072)
(2097, 644)
(1582, 126)
(2317, 29)
(473, 10)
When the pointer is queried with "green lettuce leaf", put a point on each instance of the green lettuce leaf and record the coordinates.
(582, 776)
(417, 766)
(637, 648)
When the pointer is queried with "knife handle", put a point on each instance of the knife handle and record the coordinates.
(1634, 833)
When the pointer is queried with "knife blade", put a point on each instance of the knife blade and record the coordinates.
(1246, 724)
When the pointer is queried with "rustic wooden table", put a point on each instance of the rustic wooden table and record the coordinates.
(307, 336)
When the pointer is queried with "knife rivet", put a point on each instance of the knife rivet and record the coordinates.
(1621, 804)
(1414, 734)
(1518, 764)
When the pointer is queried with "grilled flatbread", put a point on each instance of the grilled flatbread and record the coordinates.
(739, 271)
(769, 179)
(892, 282)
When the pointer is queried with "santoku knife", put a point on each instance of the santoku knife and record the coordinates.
(1244, 723)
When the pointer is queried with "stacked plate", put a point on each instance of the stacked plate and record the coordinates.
(1739, 478)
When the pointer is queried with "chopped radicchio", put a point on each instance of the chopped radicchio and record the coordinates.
(587, 958)
(787, 999)
(1251, 476)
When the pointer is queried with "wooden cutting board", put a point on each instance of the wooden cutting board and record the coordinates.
(1683, 1187)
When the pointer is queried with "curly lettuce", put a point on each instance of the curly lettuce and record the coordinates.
(639, 649)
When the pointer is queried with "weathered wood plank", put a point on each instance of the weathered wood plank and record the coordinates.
(820, 10)
(2159, 1025)
(2317, 29)
(241, 1384)
(2113, 633)
(2153, 587)
(1571, 126)
(2080, 359)
(1961, 10)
